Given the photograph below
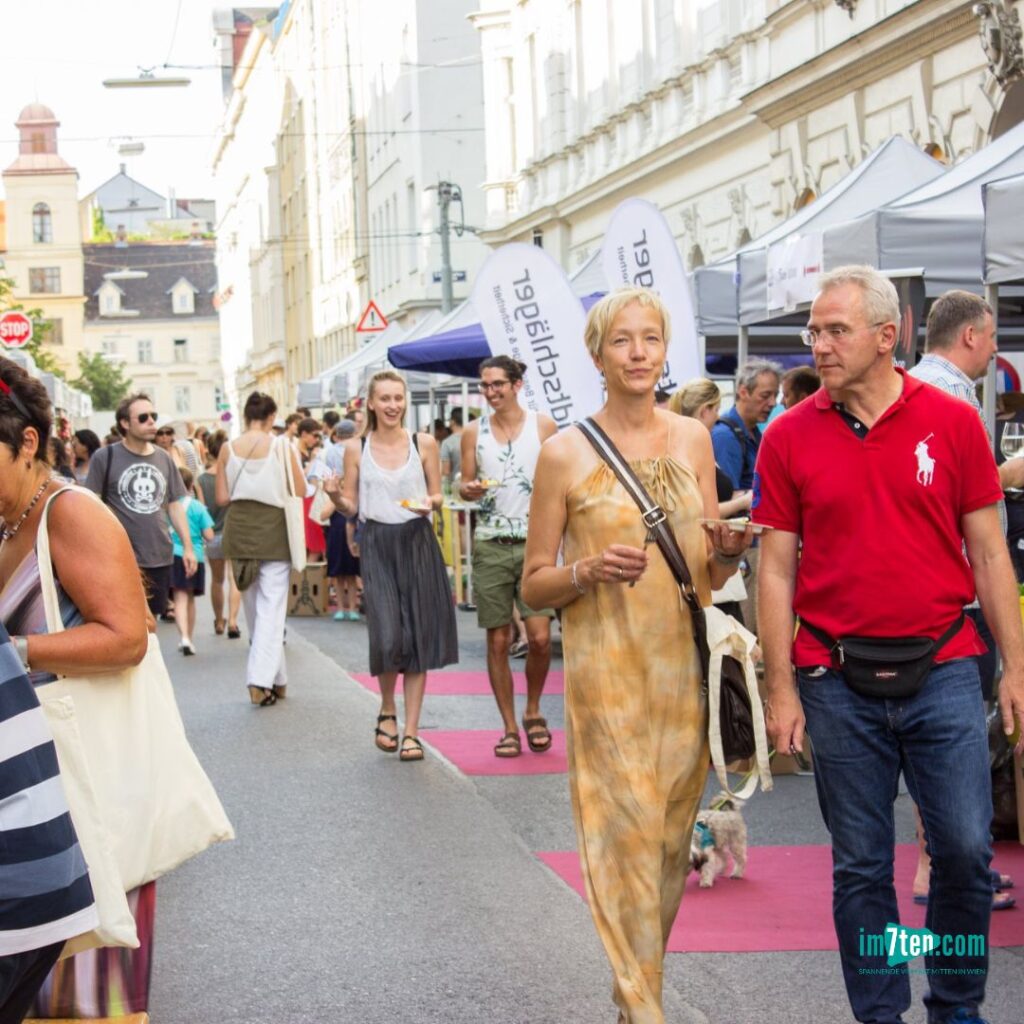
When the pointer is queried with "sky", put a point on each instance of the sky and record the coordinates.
(58, 52)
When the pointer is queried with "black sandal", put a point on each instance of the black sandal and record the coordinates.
(234, 632)
(262, 697)
(510, 745)
(391, 737)
(539, 725)
(414, 753)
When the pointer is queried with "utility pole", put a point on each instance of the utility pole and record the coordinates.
(447, 193)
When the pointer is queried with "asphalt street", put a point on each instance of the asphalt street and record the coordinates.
(364, 890)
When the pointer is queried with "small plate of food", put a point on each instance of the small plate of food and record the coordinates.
(416, 505)
(488, 483)
(737, 525)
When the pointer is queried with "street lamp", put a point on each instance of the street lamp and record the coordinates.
(146, 80)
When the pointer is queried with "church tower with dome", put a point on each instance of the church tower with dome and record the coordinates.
(44, 253)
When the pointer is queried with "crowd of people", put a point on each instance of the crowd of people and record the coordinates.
(870, 484)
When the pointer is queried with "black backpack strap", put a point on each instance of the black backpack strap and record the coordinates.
(656, 521)
(106, 474)
(416, 441)
(741, 435)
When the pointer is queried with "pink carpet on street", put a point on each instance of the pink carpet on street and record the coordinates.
(785, 901)
(467, 684)
(472, 752)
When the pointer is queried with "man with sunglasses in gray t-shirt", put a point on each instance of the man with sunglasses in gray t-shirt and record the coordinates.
(141, 483)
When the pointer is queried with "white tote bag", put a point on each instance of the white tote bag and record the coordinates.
(156, 802)
(116, 925)
(294, 516)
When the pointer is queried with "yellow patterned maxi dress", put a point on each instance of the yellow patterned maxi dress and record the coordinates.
(635, 724)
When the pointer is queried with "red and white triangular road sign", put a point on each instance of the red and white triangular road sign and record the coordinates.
(372, 320)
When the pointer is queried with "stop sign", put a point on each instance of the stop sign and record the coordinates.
(15, 330)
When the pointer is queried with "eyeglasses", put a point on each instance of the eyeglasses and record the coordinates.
(145, 417)
(164, 432)
(497, 385)
(836, 332)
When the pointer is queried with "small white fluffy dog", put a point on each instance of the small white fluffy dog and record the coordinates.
(717, 834)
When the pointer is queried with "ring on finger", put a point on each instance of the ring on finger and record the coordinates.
(621, 574)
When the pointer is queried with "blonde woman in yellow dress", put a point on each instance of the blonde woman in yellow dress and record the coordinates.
(636, 716)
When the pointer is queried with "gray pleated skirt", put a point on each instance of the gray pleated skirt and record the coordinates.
(410, 615)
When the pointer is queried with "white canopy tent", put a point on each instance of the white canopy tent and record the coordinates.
(348, 378)
(1003, 202)
(938, 226)
(734, 289)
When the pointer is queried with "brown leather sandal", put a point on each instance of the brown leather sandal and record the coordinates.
(510, 745)
(538, 735)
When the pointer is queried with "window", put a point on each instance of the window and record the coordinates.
(145, 350)
(183, 297)
(42, 223)
(181, 350)
(44, 280)
(54, 332)
(109, 346)
(182, 399)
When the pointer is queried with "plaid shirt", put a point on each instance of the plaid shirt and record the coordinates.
(941, 373)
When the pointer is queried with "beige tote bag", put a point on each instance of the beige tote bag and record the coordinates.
(155, 800)
(294, 516)
(116, 925)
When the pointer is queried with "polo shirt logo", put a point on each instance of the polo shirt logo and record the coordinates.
(925, 463)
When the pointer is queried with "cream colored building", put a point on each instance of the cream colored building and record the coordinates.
(150, 308)
(336, 124)
(728, 114)
(43, 237)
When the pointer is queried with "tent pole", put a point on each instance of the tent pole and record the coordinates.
(742, 345)
(988, 404)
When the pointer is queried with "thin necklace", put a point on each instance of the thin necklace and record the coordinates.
(7, 532)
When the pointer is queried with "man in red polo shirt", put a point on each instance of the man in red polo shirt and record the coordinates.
(884, 480)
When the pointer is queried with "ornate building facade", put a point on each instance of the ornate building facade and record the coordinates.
(728, 114)
(337, 123)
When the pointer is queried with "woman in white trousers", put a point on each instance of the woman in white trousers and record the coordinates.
(251, 482)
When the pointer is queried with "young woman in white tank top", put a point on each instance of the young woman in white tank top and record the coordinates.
(409, 610)
(249, 470)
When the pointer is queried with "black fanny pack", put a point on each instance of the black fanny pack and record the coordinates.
(878, 666)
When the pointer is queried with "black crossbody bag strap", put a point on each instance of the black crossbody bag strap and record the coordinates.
(835, 646)
(656, 521)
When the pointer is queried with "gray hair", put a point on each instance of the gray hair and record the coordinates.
(747, 374)
(878, 293)
(950, 313)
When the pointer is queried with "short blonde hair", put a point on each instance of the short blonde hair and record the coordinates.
(694, 396)
(603, 313)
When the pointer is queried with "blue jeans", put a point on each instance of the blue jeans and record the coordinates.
(939, 741)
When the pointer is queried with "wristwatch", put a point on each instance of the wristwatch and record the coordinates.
(21, 649)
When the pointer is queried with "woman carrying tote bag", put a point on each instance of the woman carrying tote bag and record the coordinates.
(103, 612)
(258, 478)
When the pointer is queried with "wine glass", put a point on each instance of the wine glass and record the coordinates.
(1012, 442)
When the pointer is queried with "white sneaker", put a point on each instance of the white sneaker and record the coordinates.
(185, 646)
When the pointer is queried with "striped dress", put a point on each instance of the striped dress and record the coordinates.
(45, 895)
(98, 982)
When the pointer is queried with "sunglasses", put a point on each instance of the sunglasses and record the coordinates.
(14, 399)
(165, 433)
(145, 417)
